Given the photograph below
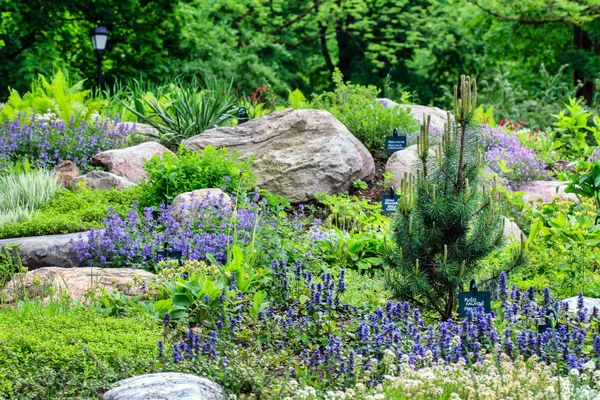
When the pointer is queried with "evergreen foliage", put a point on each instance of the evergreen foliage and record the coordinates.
(447, 218)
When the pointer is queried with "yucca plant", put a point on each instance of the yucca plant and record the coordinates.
(24, 190)
(185, 109)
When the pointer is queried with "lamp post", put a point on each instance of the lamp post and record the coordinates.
(99, 38)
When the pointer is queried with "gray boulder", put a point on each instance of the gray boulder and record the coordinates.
(46, 251)
(101, 180)
(545, 191)
(588, 302)
(295, 153)
(129, 162)
(511, 230)
(439, 117)
(595, 155)
(404, 162)
(142, 129)
(184, 203)
(164, 386)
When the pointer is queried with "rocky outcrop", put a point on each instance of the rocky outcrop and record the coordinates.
(100, 180)
(46, 251)
(164, 386)
(184, 203)
(404, 162)
(129, 162)
(439, 117)
(295, 153)
(545, 191)
(47, 282)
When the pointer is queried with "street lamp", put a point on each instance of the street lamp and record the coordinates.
(99, 37)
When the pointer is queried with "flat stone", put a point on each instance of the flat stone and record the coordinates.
(439, 117)
(295, 153)
(101, 180)
(184, 203)
(129, 162)
(78, 282)
(545, 191)
(164, 386)
(46, 251)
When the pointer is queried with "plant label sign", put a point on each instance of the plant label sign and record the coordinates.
(395, 143)
(472, 301)
(389, 203)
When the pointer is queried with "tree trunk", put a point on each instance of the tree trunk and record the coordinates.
(582, 41)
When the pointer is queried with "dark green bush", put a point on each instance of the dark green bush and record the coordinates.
(69, 212)
(61, 352)
(210, 168)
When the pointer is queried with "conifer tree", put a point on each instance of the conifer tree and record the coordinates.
(447, 218)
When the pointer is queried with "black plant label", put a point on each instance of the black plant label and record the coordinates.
(472, 301)
(395, 143)
(389, 203)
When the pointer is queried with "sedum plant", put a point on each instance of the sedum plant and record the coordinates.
(447, 220)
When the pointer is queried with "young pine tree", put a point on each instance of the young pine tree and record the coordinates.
(447, 219)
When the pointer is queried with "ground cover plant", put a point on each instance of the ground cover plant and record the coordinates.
(71, 211)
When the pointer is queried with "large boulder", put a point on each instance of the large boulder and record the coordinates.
(184, 203)
(164, 386)
(100, 180)
(77, 282)
(439, 117)
(46, 251)
(404, 162)
(296, 153)
(588, 302)
(129, 162)
(545, 191)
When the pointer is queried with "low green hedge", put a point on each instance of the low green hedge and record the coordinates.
(58, 352)
(72, 211)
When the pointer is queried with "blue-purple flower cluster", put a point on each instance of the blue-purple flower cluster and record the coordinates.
(210, 227)
(331, 338)
(506, 156)
(47, 143)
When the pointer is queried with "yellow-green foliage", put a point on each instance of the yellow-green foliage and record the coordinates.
(170, 269)
(60, 352)
(56, 96)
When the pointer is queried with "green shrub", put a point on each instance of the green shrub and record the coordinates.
(70, 211)
(355, 106)
(23, 190)
(210, 168)
(57, 97)
(59, 352)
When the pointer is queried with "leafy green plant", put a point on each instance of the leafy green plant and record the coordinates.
(447, 221)
(72, 211)
(585, 182)
(171, 175)
(351, 214)
(572, 126)
(24, 190)
(356, 107)
(184, 109)
(58, 96)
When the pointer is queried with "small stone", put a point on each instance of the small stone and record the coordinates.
(164, 386)
(66, 171)
(101, 180)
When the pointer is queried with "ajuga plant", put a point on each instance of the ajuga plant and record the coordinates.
(447, 218)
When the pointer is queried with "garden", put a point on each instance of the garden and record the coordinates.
(190, 238)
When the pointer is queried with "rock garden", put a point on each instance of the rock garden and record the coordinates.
(151, 251)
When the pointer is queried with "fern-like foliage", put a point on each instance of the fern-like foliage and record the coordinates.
(57, 96)
(447, 219)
